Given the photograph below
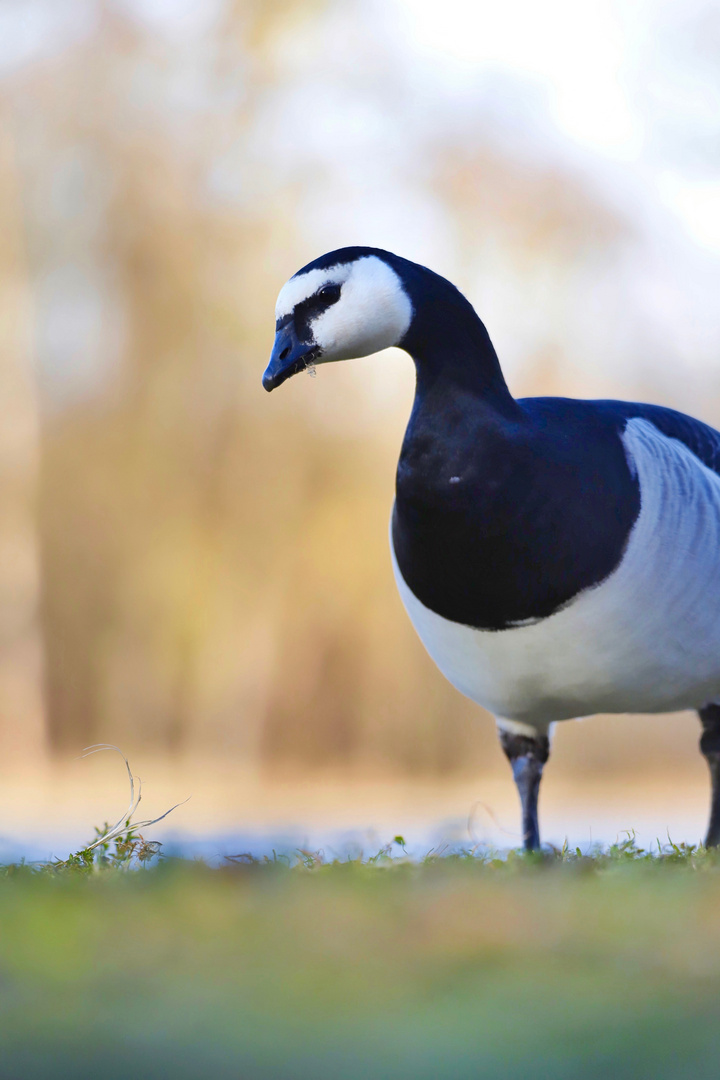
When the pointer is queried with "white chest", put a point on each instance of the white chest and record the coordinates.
(646, 639)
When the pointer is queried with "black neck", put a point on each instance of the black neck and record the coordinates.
(449, 343)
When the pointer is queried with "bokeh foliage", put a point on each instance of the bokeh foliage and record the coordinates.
(213, 567)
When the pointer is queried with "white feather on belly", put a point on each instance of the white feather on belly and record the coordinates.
(646, 639)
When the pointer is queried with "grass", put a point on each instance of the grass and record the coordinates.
(471, 965)
(466, 966)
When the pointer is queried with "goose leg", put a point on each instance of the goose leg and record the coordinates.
(710, 749)
(527, 751)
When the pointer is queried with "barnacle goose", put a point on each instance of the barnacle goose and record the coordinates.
(557, 557)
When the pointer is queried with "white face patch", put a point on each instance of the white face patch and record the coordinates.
(302, 286)
(373, 312)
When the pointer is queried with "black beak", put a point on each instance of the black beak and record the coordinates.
(289, 356)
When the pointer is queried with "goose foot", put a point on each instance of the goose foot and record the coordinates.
(527, 755)
(710, 749)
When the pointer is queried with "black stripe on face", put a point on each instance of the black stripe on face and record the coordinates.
(307, 311)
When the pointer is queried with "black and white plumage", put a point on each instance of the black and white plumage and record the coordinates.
(557, 557)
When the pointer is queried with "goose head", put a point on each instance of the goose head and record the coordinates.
(346, 304)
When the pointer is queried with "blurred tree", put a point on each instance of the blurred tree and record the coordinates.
(214, 562)
(22, 720)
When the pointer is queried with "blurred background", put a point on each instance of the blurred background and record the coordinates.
(198, 572)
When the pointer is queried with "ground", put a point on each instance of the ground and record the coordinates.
(459, 967)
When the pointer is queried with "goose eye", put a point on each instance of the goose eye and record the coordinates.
(330, 292)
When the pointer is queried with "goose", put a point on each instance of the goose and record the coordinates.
(557, 557)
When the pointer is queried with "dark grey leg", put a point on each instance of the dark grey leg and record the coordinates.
(710, 748)
(527, 754)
